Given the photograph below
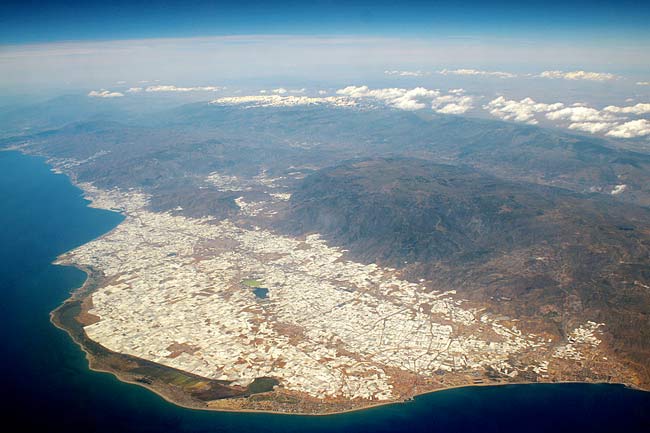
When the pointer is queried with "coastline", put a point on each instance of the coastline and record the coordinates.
(85, 290)
(231, 402)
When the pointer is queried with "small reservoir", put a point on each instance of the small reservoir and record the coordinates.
(261, 292)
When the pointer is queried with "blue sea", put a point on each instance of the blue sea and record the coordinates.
(47, 386)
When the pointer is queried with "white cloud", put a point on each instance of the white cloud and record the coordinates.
(322, 92)
(519, 111)
(592, 127)
(497, 74)
(631, 129)
(453, 109)
(134, 89)
(120, 82)
(283, 101)
(641, 108)
(104, 94)
(168, 88)
(578, 75)
(361, 92)
(643, 83)
(452, 104)
(413, 99)
(406, 73)
(580, 114)
(618, 189)
(284, 91)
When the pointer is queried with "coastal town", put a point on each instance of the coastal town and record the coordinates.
(235, 302)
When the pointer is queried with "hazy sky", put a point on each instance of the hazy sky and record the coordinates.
(581, 65)
(238, 59)
(89, 43)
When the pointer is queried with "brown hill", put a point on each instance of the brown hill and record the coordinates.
(541, 254)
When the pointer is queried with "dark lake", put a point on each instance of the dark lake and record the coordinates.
(261, 292)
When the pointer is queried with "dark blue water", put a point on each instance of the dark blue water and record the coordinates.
(47, 386)
(261, 292)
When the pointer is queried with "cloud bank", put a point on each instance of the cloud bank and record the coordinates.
(519, 111)
(634, 128)
(283, 101)
(625, 121)
(578, 75)
(580, 114)
(638, 109)
(417, 98)
(613, 121)
(591, 127)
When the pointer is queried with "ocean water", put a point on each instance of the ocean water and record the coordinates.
(47, 385)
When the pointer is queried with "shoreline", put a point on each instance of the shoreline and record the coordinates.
(185, 400)
(79, 295)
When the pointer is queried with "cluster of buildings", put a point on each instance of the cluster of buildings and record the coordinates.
(584, 335)
(329, 327)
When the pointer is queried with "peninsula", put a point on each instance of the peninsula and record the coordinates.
(333, 266)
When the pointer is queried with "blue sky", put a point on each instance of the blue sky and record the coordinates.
(30, 21)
